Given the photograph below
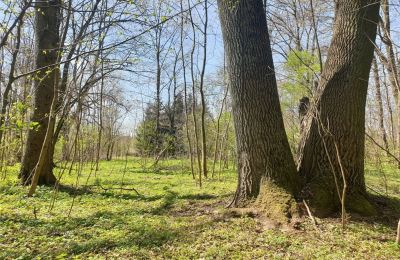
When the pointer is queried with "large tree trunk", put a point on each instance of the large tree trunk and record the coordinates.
(266, 167)
(333, 143)
(47, 46)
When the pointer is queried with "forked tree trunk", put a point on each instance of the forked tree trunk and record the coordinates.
(266, 168)
(333, 143)
(47, 45)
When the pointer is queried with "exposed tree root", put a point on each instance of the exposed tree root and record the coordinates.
(274, 206)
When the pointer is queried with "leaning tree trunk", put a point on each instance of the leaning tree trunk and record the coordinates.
(266, 168)
(47, 45)
(333, 144)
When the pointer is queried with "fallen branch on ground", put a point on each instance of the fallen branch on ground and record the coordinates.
(114, 188)
(313, 220)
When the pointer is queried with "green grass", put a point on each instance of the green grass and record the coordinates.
(172, 218)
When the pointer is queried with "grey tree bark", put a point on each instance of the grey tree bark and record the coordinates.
(333, 143)
(266, 169)
(47, 45)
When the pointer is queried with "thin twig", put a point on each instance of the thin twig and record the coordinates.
(313, 220)
(112, 188)
(383, 148)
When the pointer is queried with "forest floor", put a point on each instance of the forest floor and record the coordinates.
(172, 218)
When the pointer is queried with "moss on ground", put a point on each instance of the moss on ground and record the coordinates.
(172, 218)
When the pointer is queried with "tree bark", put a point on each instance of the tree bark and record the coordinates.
(266, 168)
(333, 143)
(47, 46)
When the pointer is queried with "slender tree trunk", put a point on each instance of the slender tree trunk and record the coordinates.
(391, 65)
(314, 25)
(11, 79)
(224, 143)
(63, 98)
(190, 150)
(202, 96)
(47, 46)
(158, 79)
(390, 110)
(266, 168)
(194, 105)
(100, 131)
(172, 107)
(379, 103)
(217, 134)
(333, 143)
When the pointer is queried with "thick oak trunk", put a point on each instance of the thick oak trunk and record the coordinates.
(266, 168)
(333, 143)
(47, 46)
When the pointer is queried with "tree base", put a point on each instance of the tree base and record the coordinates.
(277, 203)
(324, 201)
(47, 179)
(360, 203)
(274, 202)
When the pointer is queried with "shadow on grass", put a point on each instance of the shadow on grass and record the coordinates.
(139, 233)
(142, 234)
(105, 230)
(388, 210)
(129, 196)
(168, 200)
(97, 190)
(74, 191)
(203, 196)
(169, 197)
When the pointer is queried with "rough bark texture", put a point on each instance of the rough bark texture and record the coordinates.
(266, 168)
(47, 45)
(336, 121)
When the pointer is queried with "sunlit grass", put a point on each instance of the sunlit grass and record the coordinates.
(171, 218)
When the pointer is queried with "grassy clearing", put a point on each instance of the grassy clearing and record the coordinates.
(172, 218)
